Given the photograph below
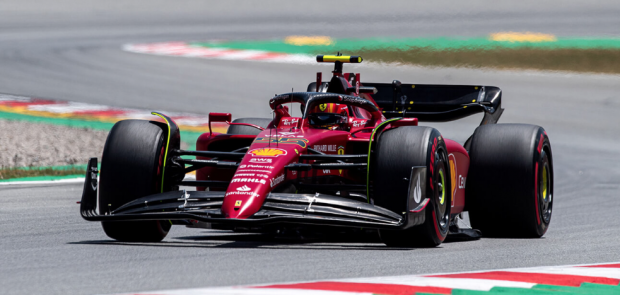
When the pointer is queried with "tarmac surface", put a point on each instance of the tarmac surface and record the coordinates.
(72, 50)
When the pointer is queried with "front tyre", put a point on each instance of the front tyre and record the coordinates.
(397, 151)
(131, 168)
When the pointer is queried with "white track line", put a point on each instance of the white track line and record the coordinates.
(59, 181)
(188, 177)
(612, 273)
(453, 283)
(246, 291)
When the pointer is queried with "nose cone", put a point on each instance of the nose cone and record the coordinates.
(259, 172)
(243, 200)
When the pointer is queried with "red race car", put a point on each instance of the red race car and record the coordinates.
(355, 158)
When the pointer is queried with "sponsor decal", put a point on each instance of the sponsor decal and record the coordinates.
(238, 203)
(453, 172)
(287, 122)
(276, 180)
(244, 188)
(326, 171)
(261, 160)
(254, 170)
(242, 193)
(282, 135)
(254, 180)
(353, 99)
(323, 107)
(359, 123)
(302, 142)
(244, 174)
(325, 147)
(260, 166)
(432, 166)
(462, 181)
(255, 166)
(267, 152)
(340, 152)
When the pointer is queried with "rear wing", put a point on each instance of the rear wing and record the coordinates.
(437, 103)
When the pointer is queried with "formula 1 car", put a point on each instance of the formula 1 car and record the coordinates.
(355, 158)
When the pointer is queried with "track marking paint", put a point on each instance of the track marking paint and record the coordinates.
(582, 279)
(309, 40)
(522, 37)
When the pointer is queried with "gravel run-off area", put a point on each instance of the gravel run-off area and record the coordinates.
(27, 144)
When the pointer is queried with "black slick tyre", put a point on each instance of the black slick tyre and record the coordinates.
(397, 151)
(509, 189)
(131, 168)
(247, 130)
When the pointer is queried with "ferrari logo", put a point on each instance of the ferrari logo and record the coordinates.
(323, 107)
(238, 203)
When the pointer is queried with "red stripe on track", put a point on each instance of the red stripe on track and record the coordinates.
(617, 265)
(268, 55)
(537, 278)
(364, 287)
(12, 103)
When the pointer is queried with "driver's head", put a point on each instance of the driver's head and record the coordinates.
(328, 115)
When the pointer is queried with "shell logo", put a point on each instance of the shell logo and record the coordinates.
(268, 152)
(453, 172)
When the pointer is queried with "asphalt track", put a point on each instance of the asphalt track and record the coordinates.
(71, 50)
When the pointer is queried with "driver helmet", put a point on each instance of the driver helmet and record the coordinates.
(328, 115)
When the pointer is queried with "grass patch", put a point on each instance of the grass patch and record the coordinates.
(575, 60)
(21, 172)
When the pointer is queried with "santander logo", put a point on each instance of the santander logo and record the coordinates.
(244, 188)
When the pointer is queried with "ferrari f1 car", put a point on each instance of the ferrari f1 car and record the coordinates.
(355, 158)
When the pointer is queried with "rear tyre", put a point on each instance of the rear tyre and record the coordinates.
(509, 187)
(397, 151)
(247, 130)
(131, 168)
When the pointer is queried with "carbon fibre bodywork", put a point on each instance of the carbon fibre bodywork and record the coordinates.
(294, 172)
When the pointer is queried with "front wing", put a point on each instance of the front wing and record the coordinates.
(278, 208)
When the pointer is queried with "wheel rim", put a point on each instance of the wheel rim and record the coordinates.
(441, 187)
(545, 194)
(443, 215)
